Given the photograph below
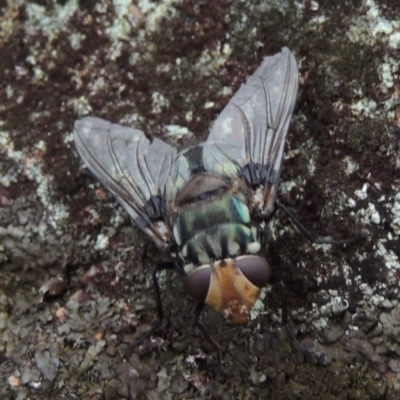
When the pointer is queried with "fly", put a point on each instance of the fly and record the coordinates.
(209, 205)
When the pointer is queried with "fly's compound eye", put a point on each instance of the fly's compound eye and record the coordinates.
(198, 282)
(255, 269)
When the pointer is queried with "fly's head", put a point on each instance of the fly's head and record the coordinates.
(230, 286)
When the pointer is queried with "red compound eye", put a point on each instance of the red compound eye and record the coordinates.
(255, 269)
(197, 283)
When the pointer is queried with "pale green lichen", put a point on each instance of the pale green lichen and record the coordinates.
(52, 22)
(154, 11)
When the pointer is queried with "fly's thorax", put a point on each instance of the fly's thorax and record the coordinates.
(230, 286)
(215, 229)
(219, 242)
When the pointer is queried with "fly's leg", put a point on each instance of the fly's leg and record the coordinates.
(263, 230)
(307, 352)
(199, 308)
(160, 311)
(308, 235)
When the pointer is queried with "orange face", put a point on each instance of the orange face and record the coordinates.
(230, 292)
(228, 286)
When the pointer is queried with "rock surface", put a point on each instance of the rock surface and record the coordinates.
(169, 67)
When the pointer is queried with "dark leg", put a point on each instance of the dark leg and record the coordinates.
(199, 308)
(308, 235)
(160, 311)
(263, 230)
(308, 353)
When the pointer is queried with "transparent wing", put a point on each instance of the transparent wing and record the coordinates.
(190, 181)
(251, 130)
(130, 167)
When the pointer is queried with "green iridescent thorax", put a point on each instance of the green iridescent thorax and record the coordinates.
(213, 229)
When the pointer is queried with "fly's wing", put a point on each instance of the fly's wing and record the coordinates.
(190, 180)
(130, 167)
(251, 130)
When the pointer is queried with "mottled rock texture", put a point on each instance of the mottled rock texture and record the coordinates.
(75, 276)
